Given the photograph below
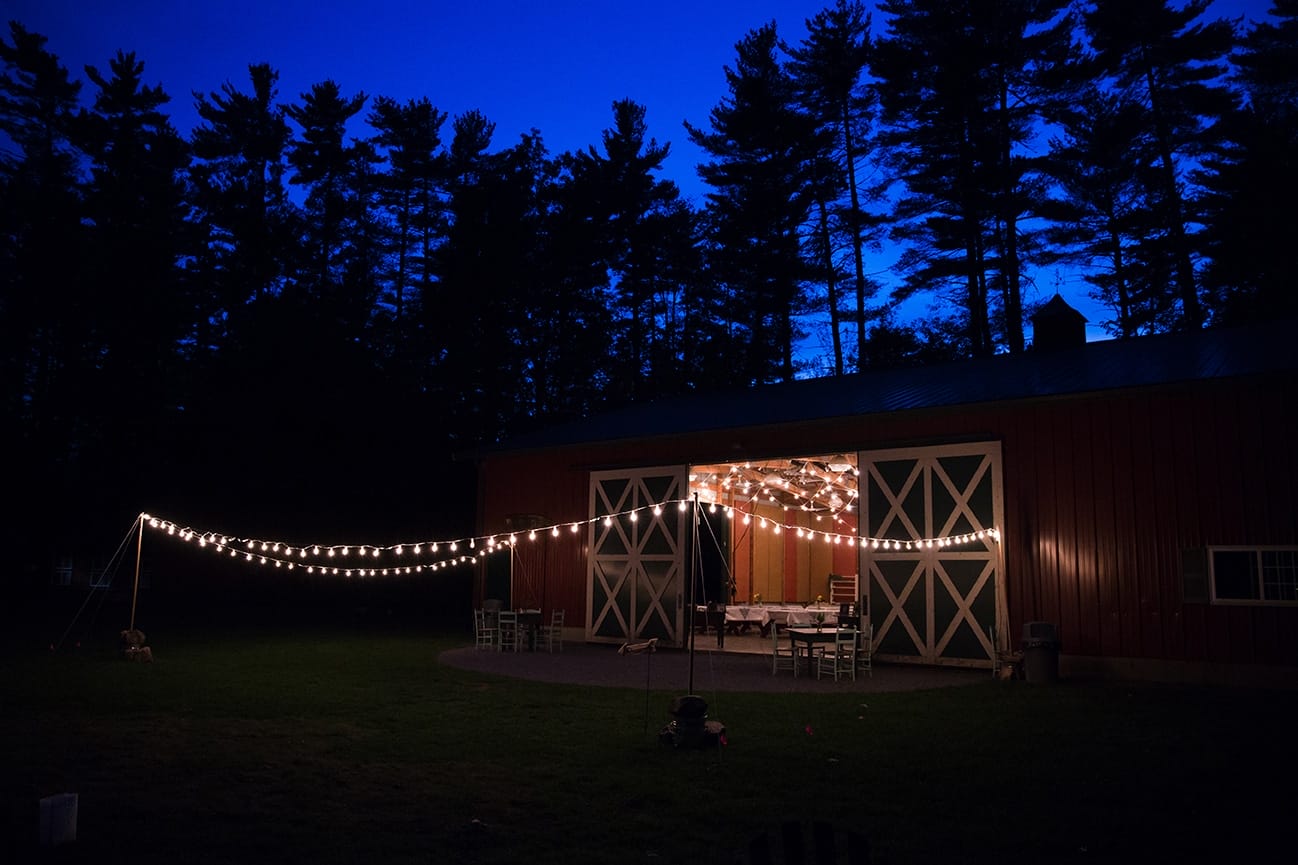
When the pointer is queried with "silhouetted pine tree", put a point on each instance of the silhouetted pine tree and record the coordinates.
(485, 279)
(46, 320)
(828, 68)
(411, 195)
(136, 210)
(1252, 183)
(325, 165)
(1165, 61)
(645, 233)
(250, 228)
(1101, 223)
(759, 144)
(963, 87)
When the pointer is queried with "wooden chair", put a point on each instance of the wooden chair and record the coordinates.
(782, 658)
(840, 660)
(484, 632)
(865, 647)
(492, 607)
(551, 635)
(823, 845)
(507, 621)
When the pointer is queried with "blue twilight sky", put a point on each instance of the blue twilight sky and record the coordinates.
(553, 65)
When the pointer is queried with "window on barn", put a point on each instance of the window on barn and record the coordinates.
(1256, 575)
(62, 571)
(100, 577)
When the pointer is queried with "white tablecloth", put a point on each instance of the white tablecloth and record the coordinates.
(784, 614)
(796, 614)
(744, 613)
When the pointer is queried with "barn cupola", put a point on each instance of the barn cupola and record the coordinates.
(1057, 325)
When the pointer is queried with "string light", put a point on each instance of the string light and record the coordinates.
(279, 553)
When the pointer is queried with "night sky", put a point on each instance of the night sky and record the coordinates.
(556, 66)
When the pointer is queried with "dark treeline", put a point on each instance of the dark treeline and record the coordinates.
(280, 316)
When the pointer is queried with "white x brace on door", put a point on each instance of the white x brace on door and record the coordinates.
(934, 603)
(635, 579)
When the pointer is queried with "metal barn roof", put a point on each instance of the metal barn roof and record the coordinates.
(1098, 366)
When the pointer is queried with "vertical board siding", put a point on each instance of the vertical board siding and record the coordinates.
(521, 485)
(1102, 492)
(1125, 534)
(1016, 584)
(1191, 501)
(1144, 574)
(1084, 552)
(1233, 623)
(1213, 427)
(1043, 533)
(1071, 614)
(1165, 567)
(1105, 528)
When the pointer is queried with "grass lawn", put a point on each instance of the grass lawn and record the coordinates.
(350, 745)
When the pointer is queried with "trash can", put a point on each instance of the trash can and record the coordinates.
(58, 819)
(1040, 652)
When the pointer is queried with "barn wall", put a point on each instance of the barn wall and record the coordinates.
(551, 491)
(1102, 493)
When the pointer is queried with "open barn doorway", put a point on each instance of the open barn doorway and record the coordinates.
(783, 530)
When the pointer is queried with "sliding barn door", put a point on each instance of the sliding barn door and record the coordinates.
(933, 603)
(636, 580)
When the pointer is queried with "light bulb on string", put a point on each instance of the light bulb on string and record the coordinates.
(835, 535)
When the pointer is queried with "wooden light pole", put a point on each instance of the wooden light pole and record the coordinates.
(135, 587)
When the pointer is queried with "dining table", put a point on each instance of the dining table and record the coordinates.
(813, 636)
(529, 625)
(780, 613)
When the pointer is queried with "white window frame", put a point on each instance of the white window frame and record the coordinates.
(100, 578)
(62, 575)
(1259, 552)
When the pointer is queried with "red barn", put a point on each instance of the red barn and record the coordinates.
(1138, 494)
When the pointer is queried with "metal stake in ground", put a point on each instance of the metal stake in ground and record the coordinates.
(648, 647)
